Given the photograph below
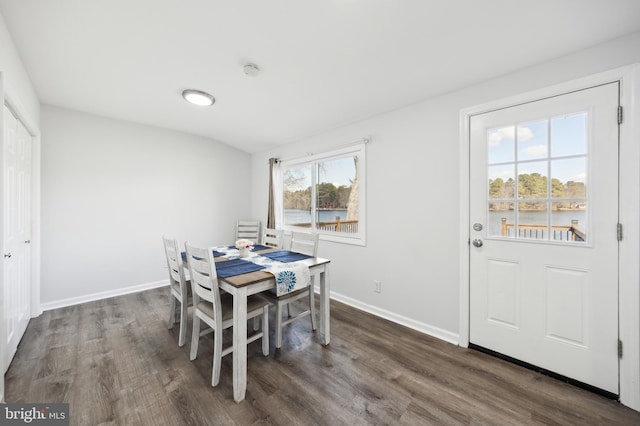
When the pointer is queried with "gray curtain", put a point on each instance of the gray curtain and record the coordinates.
(271, 214)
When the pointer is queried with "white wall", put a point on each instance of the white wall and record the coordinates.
(111, 189)
(413, 202)
(17, 85)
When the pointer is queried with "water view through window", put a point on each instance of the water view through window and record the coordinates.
(537, 186)
(324, 193)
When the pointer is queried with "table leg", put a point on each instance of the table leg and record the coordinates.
(239, 344)
(325, 316)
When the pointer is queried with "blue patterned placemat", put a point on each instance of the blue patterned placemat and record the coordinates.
(286, 256)
(236, 267)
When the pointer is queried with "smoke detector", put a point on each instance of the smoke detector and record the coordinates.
(251, 70)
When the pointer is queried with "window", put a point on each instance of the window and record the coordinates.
(325, 194)
(523, 202)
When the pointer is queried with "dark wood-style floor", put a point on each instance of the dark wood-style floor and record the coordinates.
(115, 362)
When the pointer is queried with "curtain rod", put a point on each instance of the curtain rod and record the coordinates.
(365, 140)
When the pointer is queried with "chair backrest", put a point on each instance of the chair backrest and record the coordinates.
(174, 261)
(302, 242)
(249, 229)
(204, 278)
(272, 238)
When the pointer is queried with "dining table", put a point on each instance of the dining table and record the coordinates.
(244, 285)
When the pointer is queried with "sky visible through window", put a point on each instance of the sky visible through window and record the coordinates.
(339, 172)
(539, 140)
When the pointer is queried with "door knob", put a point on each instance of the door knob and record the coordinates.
(477, 242)
(7, 255)
(27, 242)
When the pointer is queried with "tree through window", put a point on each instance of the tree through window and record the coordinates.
(325, 194)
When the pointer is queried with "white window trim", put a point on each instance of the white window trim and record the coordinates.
(360, 151)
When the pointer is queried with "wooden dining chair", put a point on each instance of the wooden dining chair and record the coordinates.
(302, 243)
(180, 287)
(216, 309)
(272, 238)
(248, 229)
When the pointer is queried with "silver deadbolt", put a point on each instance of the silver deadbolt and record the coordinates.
(477, 242)
(7, 254)
(477, 227)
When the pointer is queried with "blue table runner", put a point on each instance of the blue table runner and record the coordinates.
(255, 247)
(215, 254)
(236, 267)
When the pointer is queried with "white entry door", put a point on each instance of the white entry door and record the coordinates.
(17, 232)
(543, 227)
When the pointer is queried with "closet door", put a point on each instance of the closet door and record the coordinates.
(17, 232)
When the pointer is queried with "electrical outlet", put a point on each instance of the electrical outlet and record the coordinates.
(377, 286)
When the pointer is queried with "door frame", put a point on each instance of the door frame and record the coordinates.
(629, 206)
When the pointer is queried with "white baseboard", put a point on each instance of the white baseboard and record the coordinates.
(436, 332)
(102, 295)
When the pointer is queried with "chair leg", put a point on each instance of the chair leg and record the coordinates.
(217, 357)
(183, 323)
(172, 310)
(278, 325)
(256, 323)
(195, 336)
(265, 330)
(312, 307)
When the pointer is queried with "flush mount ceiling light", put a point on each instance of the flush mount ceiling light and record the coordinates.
(250, 69)
(198, 97)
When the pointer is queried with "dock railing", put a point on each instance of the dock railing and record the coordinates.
(539, 232)
(338, 225)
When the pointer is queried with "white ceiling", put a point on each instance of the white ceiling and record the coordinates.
(324, 63)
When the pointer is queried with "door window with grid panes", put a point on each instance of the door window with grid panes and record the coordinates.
(537, 179)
